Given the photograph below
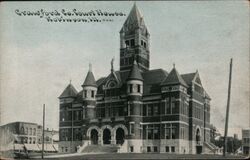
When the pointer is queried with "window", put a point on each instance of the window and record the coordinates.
(167, 131)
(156, 132)
(130, 109)
(130, 88)
(85, 94)
(155, 149)
(167, 148)
(173, 105)
(30, 131)
(131, 148)
(22, 130)
(150, 131)
(92, 94)
(138, 88)
(156, 109)
(141, 42)
(173, 132)
(149, 110)
(148, 149)
(132, 128)
(66, 149)
(132, 42)
(26, 130)
(172, 149)
(144, 45)
(127, 43)
(167, 107)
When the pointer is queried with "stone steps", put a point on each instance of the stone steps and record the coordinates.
(100, 149)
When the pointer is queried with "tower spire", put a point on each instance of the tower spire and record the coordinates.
(90, 67)
(112, 64)
(134, 42)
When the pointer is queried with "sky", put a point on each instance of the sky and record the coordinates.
(39, 58)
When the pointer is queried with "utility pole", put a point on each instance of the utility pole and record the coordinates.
(227, 112)
(43, 130)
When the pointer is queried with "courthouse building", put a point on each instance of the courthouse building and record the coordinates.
(134, 108)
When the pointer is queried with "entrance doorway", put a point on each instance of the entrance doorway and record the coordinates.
(94, 136)
(106, 136)
(120, 135)
(198, 141)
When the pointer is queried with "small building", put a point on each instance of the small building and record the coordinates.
(246, 141)
(26, 136)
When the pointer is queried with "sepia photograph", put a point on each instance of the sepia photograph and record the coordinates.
(124, 80)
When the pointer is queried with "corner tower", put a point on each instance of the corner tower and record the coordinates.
(89, 94)
(134, 42)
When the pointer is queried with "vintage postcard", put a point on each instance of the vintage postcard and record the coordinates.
(124, 80)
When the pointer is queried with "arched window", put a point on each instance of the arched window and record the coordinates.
(34, 131)
(22, 130)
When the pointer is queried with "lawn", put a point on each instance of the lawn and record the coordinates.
(123, 156)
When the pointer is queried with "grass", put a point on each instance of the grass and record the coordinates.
(141, 156)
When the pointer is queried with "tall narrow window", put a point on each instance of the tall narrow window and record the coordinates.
(149, 110)
(92, 94)
(173, 108)
(138, 88)
(130, 88)
(132, 128)
(85, 94)
(173, 132)
(167, 131)
(167, 107)
(132, 42)
(127, 43)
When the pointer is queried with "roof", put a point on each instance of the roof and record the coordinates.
(90, 80)
(152, 80)
(69, 91)
(174, 78)
(135, 73)
(134, 20)
(188, 78)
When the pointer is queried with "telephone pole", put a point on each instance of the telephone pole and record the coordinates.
(227, 112)
(43, 130)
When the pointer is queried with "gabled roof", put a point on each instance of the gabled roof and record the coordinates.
(69, 91)
(90, 80)
(188, 78)
(174, 78)
(135, 73)
(134, 20)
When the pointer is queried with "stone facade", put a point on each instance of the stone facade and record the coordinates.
(138, 109)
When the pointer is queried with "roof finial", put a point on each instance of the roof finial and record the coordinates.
(70, 81)
(90, 67)
(174, 65)
(135, 62)
(112, 64)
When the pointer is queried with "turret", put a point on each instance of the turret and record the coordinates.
(89, 94)
(135, 81)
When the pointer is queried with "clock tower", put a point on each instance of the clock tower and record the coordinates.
(134, 42)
